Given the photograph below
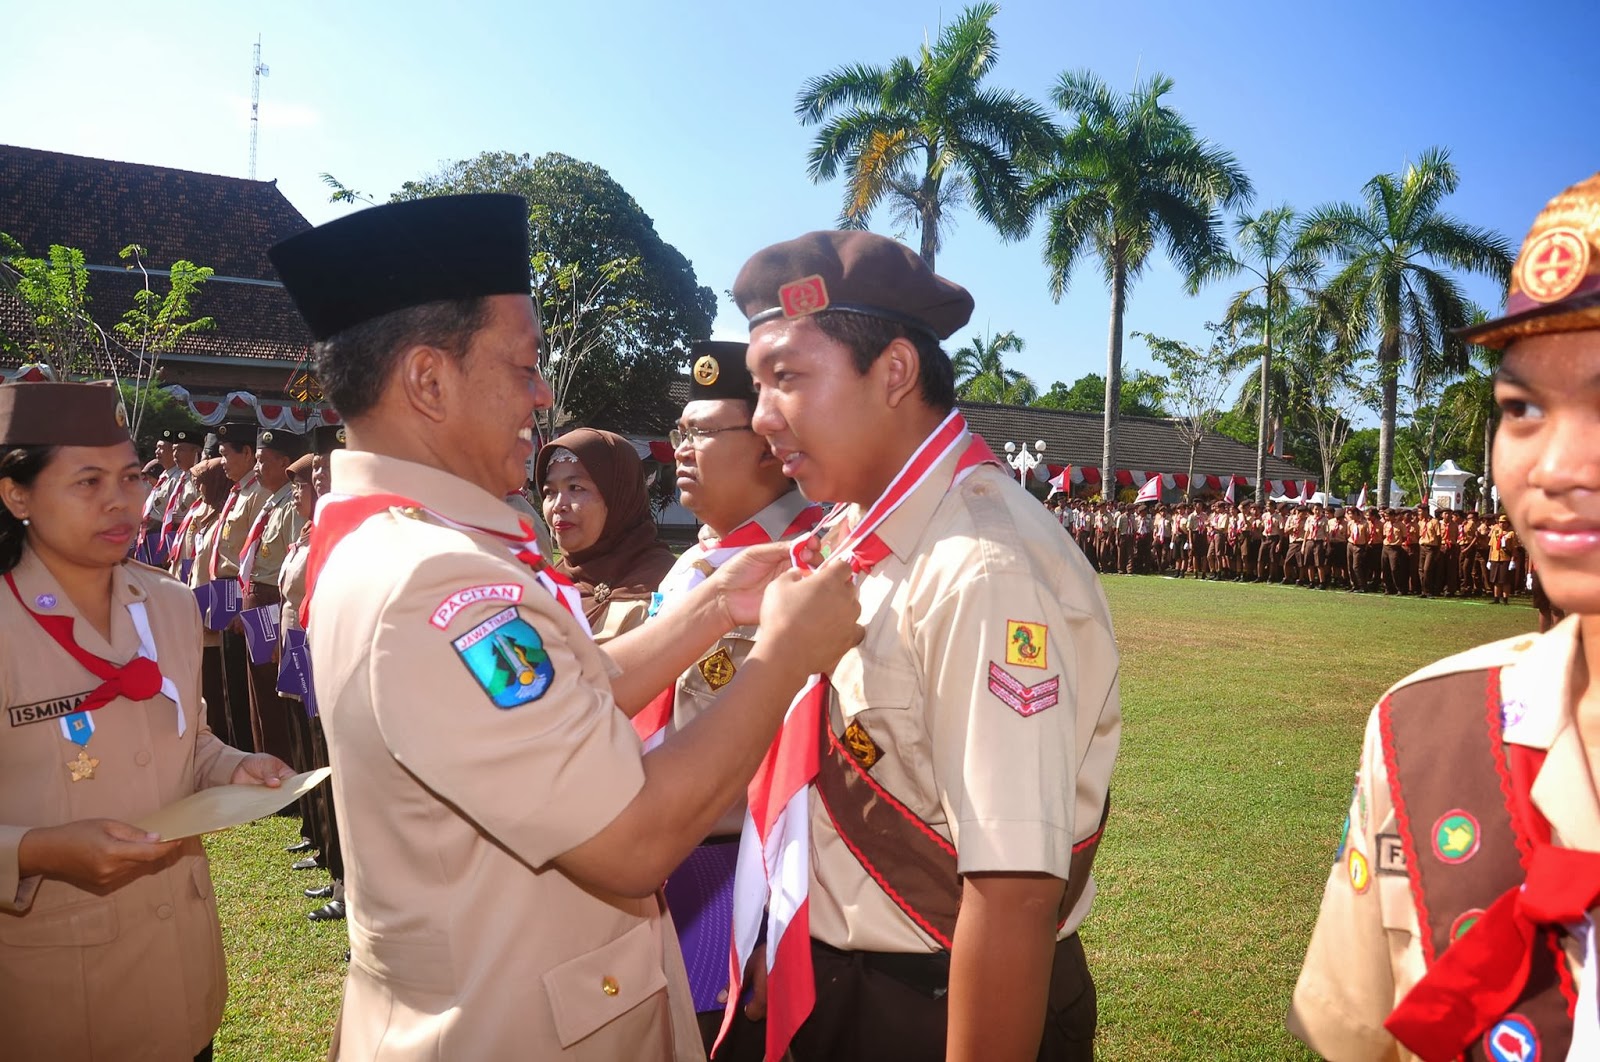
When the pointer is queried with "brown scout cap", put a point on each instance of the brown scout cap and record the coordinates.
(1555, 285)
(62, 414)
(850, 272)
(301, 468)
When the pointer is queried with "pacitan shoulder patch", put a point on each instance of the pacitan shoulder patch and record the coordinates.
(506, 657)
(452, 605)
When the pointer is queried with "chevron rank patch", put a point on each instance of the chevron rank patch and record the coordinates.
(1021, 698)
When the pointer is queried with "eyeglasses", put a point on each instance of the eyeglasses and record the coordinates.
(678, 436)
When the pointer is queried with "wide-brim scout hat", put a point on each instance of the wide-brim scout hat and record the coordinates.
(392, 257)
(718, 371)
(850, 272)
(62, 414)
(326, 438)
(1555, 285)
(237, 433)
(288, 443)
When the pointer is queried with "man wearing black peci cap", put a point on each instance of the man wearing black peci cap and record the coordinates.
(504, 840)
(966, 747)
(236, 445)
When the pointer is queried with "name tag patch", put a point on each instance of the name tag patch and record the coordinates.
(43, 711)
(452, 605)
(507, 659)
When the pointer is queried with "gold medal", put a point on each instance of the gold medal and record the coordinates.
(83, 767)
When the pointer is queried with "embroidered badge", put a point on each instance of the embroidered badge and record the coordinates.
(1555, 265)
(1022, 699)
(1391, 854)
(506, 656)
(861, 745)
(706, 370)
(1464, 921)
(43, 711)
(1026, 644)
(83, 767)
(1455, 836)
(452, 605)
(804, 296)
(1512, 712)
(45, 601)
(717, 669)
(1512, 1039)
(1360, 873)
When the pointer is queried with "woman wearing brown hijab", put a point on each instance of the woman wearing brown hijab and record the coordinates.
(598, 507)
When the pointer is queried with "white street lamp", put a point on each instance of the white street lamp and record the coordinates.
(1024, 461)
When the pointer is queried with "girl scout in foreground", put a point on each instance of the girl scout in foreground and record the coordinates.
(1455, 923)
(109, 944)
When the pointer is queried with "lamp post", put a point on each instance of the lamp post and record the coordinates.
(1019, 458)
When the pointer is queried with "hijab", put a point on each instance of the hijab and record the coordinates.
(628, 561)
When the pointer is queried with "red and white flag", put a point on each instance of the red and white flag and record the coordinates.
(1151, 491)
(1361, 502)
(1059, 481)
(1228, 495)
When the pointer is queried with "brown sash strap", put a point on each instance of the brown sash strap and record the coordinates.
(1461, 846)
(912, 862)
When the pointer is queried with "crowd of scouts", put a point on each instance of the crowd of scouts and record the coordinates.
(867, 750)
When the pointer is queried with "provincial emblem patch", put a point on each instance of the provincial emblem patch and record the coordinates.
(506, 657)
(861, 745)
(1027, 644)
(717, 669)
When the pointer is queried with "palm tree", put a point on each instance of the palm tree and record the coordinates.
(1470, 399)
(927, 135)
(1130, 174)
(1396, 247)
(981, 374)
(1269, 251)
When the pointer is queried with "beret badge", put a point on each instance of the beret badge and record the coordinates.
(706, 370)
(1555, 265)
(805, 296)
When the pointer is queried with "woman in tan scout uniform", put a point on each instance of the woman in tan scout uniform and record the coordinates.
(1455, 921)
(109, 944)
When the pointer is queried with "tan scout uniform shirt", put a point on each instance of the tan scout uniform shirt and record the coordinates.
(1366, 950)
(465, 942)
(1013, 793)
(698, 686)
(280, 529)
(292, 577)
(137, 973)
(235, 527)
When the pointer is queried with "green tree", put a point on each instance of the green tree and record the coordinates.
(1470, 401)
(1397, 249)
(1197, 378)
(1130, 175)
(157, 323)
(927, 135)
(617, 300)
(54, 292)
(1279, 264)
(1142, 395)
(981, 373)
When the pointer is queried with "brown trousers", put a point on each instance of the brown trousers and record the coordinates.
(269, 710)
(871, 1007)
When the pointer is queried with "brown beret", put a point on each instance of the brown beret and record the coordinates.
(850, 272)
(718, 371)
(301, 468)
(1555, 285)
(62, 414)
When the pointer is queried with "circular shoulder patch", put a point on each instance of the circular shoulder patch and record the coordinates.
(1464, 921)
(1512, 1039)
(1360, 873)
(1455, 836)
(1555, 265)
(706, 370)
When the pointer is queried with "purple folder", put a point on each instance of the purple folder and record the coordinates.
(260, 632)
(220, 601)
(700, 897)
(294, 669)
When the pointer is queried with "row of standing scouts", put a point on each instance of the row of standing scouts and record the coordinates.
(868, 750)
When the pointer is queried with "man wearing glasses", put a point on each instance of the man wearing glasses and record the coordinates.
(730, 480)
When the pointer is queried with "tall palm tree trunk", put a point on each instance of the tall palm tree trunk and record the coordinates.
(930, 221)
(1389, 369)
(1108, 453)
(1488, 453)
(1264, 434)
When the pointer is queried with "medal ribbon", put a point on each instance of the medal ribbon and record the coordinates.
(774, 863)
(138, 680)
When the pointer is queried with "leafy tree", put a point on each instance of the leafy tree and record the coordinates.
(1130, 175)
(1142, 395)
(620, 305)
(1358, 466)
(1470, 401)
(1329, 382)
(1196, 381)
(1397, 249)
(927, 135)
(981, 374)
(54, 292)
(157, 323)
(1278, 264)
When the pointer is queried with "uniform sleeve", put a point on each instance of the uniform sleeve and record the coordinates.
(16, 892)
(1022, 697)
(494, 712)
(1346, 986)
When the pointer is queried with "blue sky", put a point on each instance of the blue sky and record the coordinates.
(690, 107)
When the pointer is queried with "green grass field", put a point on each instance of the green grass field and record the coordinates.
(1243, 708)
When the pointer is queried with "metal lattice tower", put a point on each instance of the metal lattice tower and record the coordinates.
(257, 72)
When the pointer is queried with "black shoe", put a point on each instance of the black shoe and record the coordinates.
(321, 892)
(308, 863)
(302, 845)
(347, 955)
(332, 911)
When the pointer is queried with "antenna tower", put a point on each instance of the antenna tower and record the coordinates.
(258, 70)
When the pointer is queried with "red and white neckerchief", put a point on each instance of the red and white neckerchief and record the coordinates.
(691, 569)
(773, 872)
(183, 526)
(338, 515)
(258, 528)
(173, 496)
(227, 507)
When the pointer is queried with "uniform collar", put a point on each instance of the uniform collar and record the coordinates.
(43, 594)
(902, 530)
(281, 495)
(776, 518)
(362, 472)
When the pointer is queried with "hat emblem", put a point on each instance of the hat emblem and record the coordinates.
(340, 436)
(706, 370)
(807, 295)
(122, 415)
(266, 438)
(1555, 265)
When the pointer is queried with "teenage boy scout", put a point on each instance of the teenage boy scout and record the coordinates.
(1455, 921)
(504, 840)
(266, 546)
(969, 741)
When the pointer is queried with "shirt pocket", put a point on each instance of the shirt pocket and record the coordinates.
(74, 925)
(600, 986)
